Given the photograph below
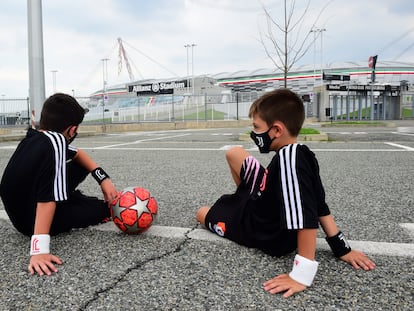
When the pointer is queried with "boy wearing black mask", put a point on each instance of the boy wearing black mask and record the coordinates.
(278, 209)
(38, 187)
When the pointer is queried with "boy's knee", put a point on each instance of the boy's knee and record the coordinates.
(201, 214)
(236, 152)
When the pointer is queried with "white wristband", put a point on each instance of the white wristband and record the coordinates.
(39, 244)
(304, 270)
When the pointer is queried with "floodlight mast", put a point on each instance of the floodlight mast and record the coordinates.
(122, 55)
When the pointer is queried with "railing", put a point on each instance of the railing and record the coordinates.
(14, 111)
(175, 108)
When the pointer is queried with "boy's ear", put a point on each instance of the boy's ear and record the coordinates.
(278, 128)
(71, 130)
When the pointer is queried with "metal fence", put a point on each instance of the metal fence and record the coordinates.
(14, 111)
(167, 108)
(225, 106)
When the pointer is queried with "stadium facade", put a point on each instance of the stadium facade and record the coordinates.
(339, 91)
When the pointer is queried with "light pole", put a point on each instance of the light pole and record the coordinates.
(104, 77)
(320, 32)
(54, 80)
(314, 56)
(187, 46)
(192, 65)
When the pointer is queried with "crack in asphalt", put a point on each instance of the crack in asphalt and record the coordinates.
(112, 286)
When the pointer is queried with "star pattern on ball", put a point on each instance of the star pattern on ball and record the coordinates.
(134, 210)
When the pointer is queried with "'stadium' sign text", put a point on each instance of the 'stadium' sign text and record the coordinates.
(157, 88)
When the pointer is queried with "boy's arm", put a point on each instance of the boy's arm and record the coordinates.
(304, 267)
(108, 189)
(341, 248)
(41, 261)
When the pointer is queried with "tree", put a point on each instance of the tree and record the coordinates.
(292, 44)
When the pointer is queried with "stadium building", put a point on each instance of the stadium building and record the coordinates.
(344, 91)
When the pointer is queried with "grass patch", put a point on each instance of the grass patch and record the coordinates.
(358, 122)
(407, 113)
(308, 131)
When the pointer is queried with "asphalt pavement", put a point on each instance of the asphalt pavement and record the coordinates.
(178, 265)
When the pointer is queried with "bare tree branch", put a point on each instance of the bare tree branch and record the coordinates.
(296, 42)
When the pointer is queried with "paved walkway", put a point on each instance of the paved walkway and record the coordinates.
(177, 265)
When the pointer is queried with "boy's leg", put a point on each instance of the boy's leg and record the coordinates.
(79, 211)
(76, 175)
(235, 157)
(201, 214)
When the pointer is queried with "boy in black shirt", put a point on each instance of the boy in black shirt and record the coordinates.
(38, 187)
(278, 209)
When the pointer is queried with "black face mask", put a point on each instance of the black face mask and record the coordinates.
(262, 140)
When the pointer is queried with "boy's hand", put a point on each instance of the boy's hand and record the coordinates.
(283, 283)
(358, 260)
(43, 264)
(108, 189)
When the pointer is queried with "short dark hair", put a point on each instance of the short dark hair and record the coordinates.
(280, 105)
(59, 112)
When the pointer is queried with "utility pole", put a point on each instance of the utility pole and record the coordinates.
(36, 59)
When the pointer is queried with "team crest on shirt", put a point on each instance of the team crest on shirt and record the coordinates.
(219, 228)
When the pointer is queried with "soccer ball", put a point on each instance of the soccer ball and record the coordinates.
(134, 210)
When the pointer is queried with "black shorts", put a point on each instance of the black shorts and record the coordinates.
(226, 216)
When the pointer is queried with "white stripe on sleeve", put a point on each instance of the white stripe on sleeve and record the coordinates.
(290, 187)
(59, 184)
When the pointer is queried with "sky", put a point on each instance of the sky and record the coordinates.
(226, 34)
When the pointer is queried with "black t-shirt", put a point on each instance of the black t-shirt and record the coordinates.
(36, 172)
(271, 204)
(292, 195)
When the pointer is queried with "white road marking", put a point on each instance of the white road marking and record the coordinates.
(8, 147)
(400, 146)
(379, 248)
(140, 141)
(221, 134)
(406, 134)
(227, 147)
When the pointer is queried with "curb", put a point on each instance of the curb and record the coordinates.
(20, 136)
(307, 137)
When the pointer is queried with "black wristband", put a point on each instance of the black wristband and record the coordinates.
(338, 244)
(99, 174)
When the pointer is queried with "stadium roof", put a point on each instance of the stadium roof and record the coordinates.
(306, 68)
